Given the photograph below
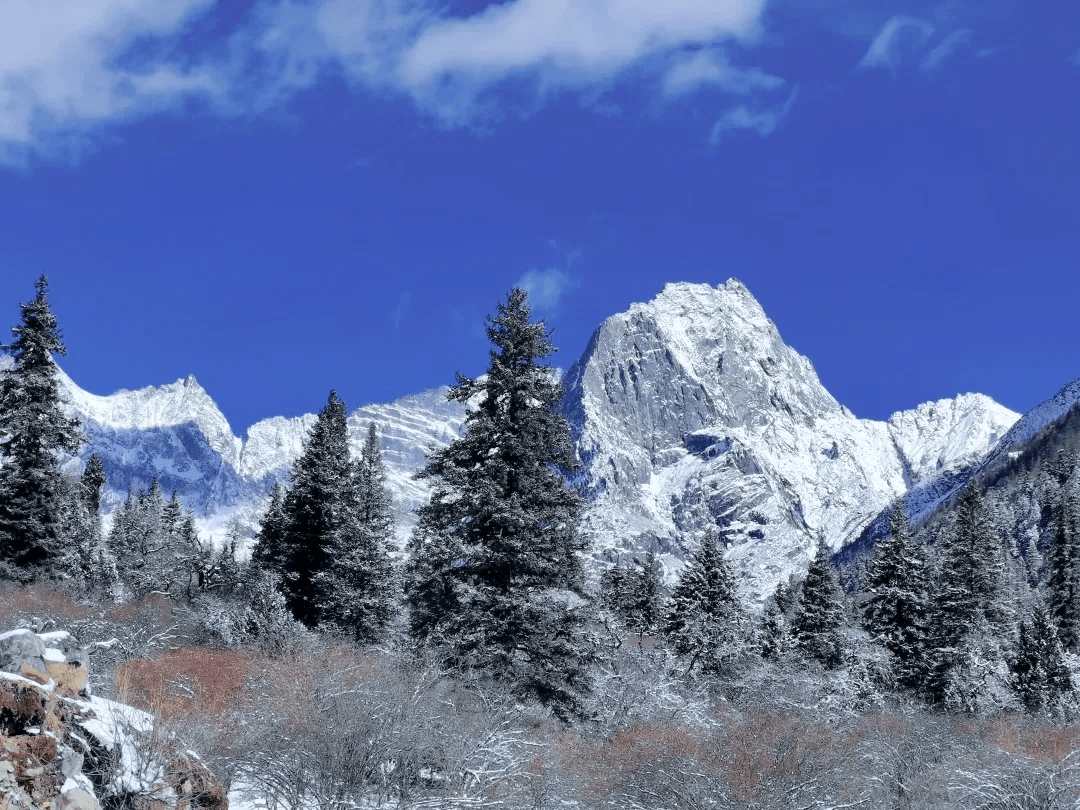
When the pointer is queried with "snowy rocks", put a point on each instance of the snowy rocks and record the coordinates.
(693, 417)
(63, 749)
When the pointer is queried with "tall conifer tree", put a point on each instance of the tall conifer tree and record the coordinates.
(965, 592)
(495, 582)
(34, 432)
(895, 612)
(820, 613)
(359, 582)
(703, 621)
(1063, 585)
(316, 512)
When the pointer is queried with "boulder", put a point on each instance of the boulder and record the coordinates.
(62, 749)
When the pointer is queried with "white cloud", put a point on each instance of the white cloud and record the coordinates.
(710, 67)
(547, 287)
(763, 122)
(63, 67)
(448, 64)
(70, 69)
(944, 49)
(885, 50)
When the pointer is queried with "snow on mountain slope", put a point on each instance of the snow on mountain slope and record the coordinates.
(692, 416)
(948, 434)
(177, 433)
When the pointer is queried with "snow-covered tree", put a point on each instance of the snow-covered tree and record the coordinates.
(359, 582)
(1063, 584)
(964, 595)
(704, 619)
(316, 513)
(34, 433)
(895, 611)
(156, 547)
(1041, 676)
(495, 582)
(820, 614)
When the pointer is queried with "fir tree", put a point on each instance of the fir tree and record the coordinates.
(34, 432)
(1041, 676)
(315, 513)
(895, 613)
(774, 638)
(270, 551)
(646, 613)
(965, 592)
(495, 582)
(1063, 585)
(820, 614)
(703, 620)
(360, 581)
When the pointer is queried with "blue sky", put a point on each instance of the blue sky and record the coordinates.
(283, 197)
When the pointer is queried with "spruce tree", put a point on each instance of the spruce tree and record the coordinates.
(315, 513)
(359, 581)
(820, 614)
(1041, 677)
(495, 583)
(269, 551)
(703, 623)
(647, 605)
(1063, 585)
(34, 433)
(895, 612)
(965, 591)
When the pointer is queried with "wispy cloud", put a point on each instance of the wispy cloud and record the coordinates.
(763, 122)
(944, 49)
(899, 31)
(70, 68)
(546, 288)
(709, 67)
(402, 307)
(68, 65)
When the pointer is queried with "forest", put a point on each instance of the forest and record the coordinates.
(494, 661)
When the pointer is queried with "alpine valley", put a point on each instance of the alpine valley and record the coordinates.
(690, 416)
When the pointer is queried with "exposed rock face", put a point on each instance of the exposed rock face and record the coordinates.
(64, 749)
(692, 416)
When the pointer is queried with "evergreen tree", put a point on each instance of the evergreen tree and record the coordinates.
(647, 607)
(965, 592)
(617, 588)
(820, 614)
(360, 580)
(1041, 676)
(156, 547)
(316, 513)
(704, 617)
(774, 638)
(895, 613)
(34, 432)
(1063, 585)
(85, 556)
(270, 550)
(495, 582)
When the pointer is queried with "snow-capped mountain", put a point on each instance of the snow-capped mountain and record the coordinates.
(177, 433)
(692, 416)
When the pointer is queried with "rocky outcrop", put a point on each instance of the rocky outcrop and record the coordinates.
(62, 748)
(693, 417)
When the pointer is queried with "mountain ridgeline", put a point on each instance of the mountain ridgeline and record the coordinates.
(691, 417)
